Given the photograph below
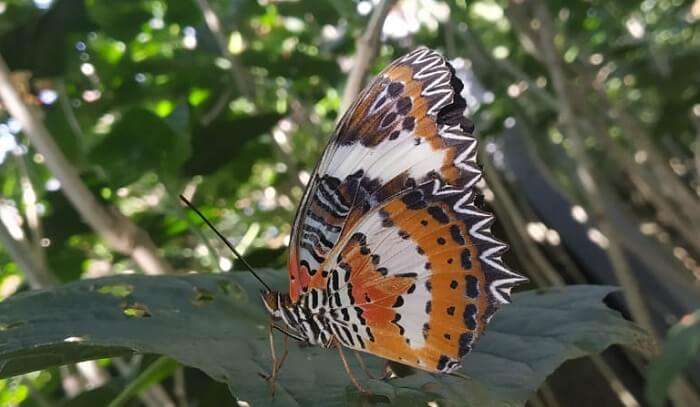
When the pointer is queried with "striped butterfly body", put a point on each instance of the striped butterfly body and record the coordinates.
(389, 253)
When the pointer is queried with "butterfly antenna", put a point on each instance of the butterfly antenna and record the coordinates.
(228, 244)
(289, 334)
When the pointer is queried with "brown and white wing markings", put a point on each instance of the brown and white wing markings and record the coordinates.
(404, 129)
(412, 282)
(388, 243)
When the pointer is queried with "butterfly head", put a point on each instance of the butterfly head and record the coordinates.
(298, 325)
(274, 302)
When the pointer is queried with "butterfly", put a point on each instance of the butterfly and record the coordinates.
(389, 253)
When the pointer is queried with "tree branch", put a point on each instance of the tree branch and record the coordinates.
(512, 220)
(238, 72)
(673, 187)
(505, 66)
(37, 275)
(594, 190)
(117, 230)
(669, 184)
(585, 172)
(367, 46)
(69, 113)
(31, 211)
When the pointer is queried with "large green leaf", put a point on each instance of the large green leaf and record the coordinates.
(216, 323)
(681, 349)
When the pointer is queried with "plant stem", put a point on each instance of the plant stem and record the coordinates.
(117, 230)
(367, 46)
(238, 73)
(36, 273)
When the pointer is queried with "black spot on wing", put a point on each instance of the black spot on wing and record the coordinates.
(470, 316)
(414, 199)
(359, 311)
(395, 321)
(442, 362)
(408, 123)
(466, 259)
(395, 88)
(349, 335)
(472, 286)
(403, 106)
(457, 235)
(388, 119)
(314, 299)
(438, 214)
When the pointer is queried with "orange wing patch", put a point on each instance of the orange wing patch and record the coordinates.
(415, 283)
(453, 313)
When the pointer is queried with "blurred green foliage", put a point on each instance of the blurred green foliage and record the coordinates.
(146, 104)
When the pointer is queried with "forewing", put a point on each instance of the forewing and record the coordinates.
(405, 129)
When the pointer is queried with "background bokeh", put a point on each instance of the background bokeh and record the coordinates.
(588, 113)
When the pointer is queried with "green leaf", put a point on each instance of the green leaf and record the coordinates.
(217, 324)
(682, 347)
(139, 142)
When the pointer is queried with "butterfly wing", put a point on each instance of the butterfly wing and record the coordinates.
(417, 280)
(388, 232)
(405, 129)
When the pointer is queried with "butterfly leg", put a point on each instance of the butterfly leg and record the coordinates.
(273, 375)
(349, 372)
(362, 364)
(276, 365)
(284, 355)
